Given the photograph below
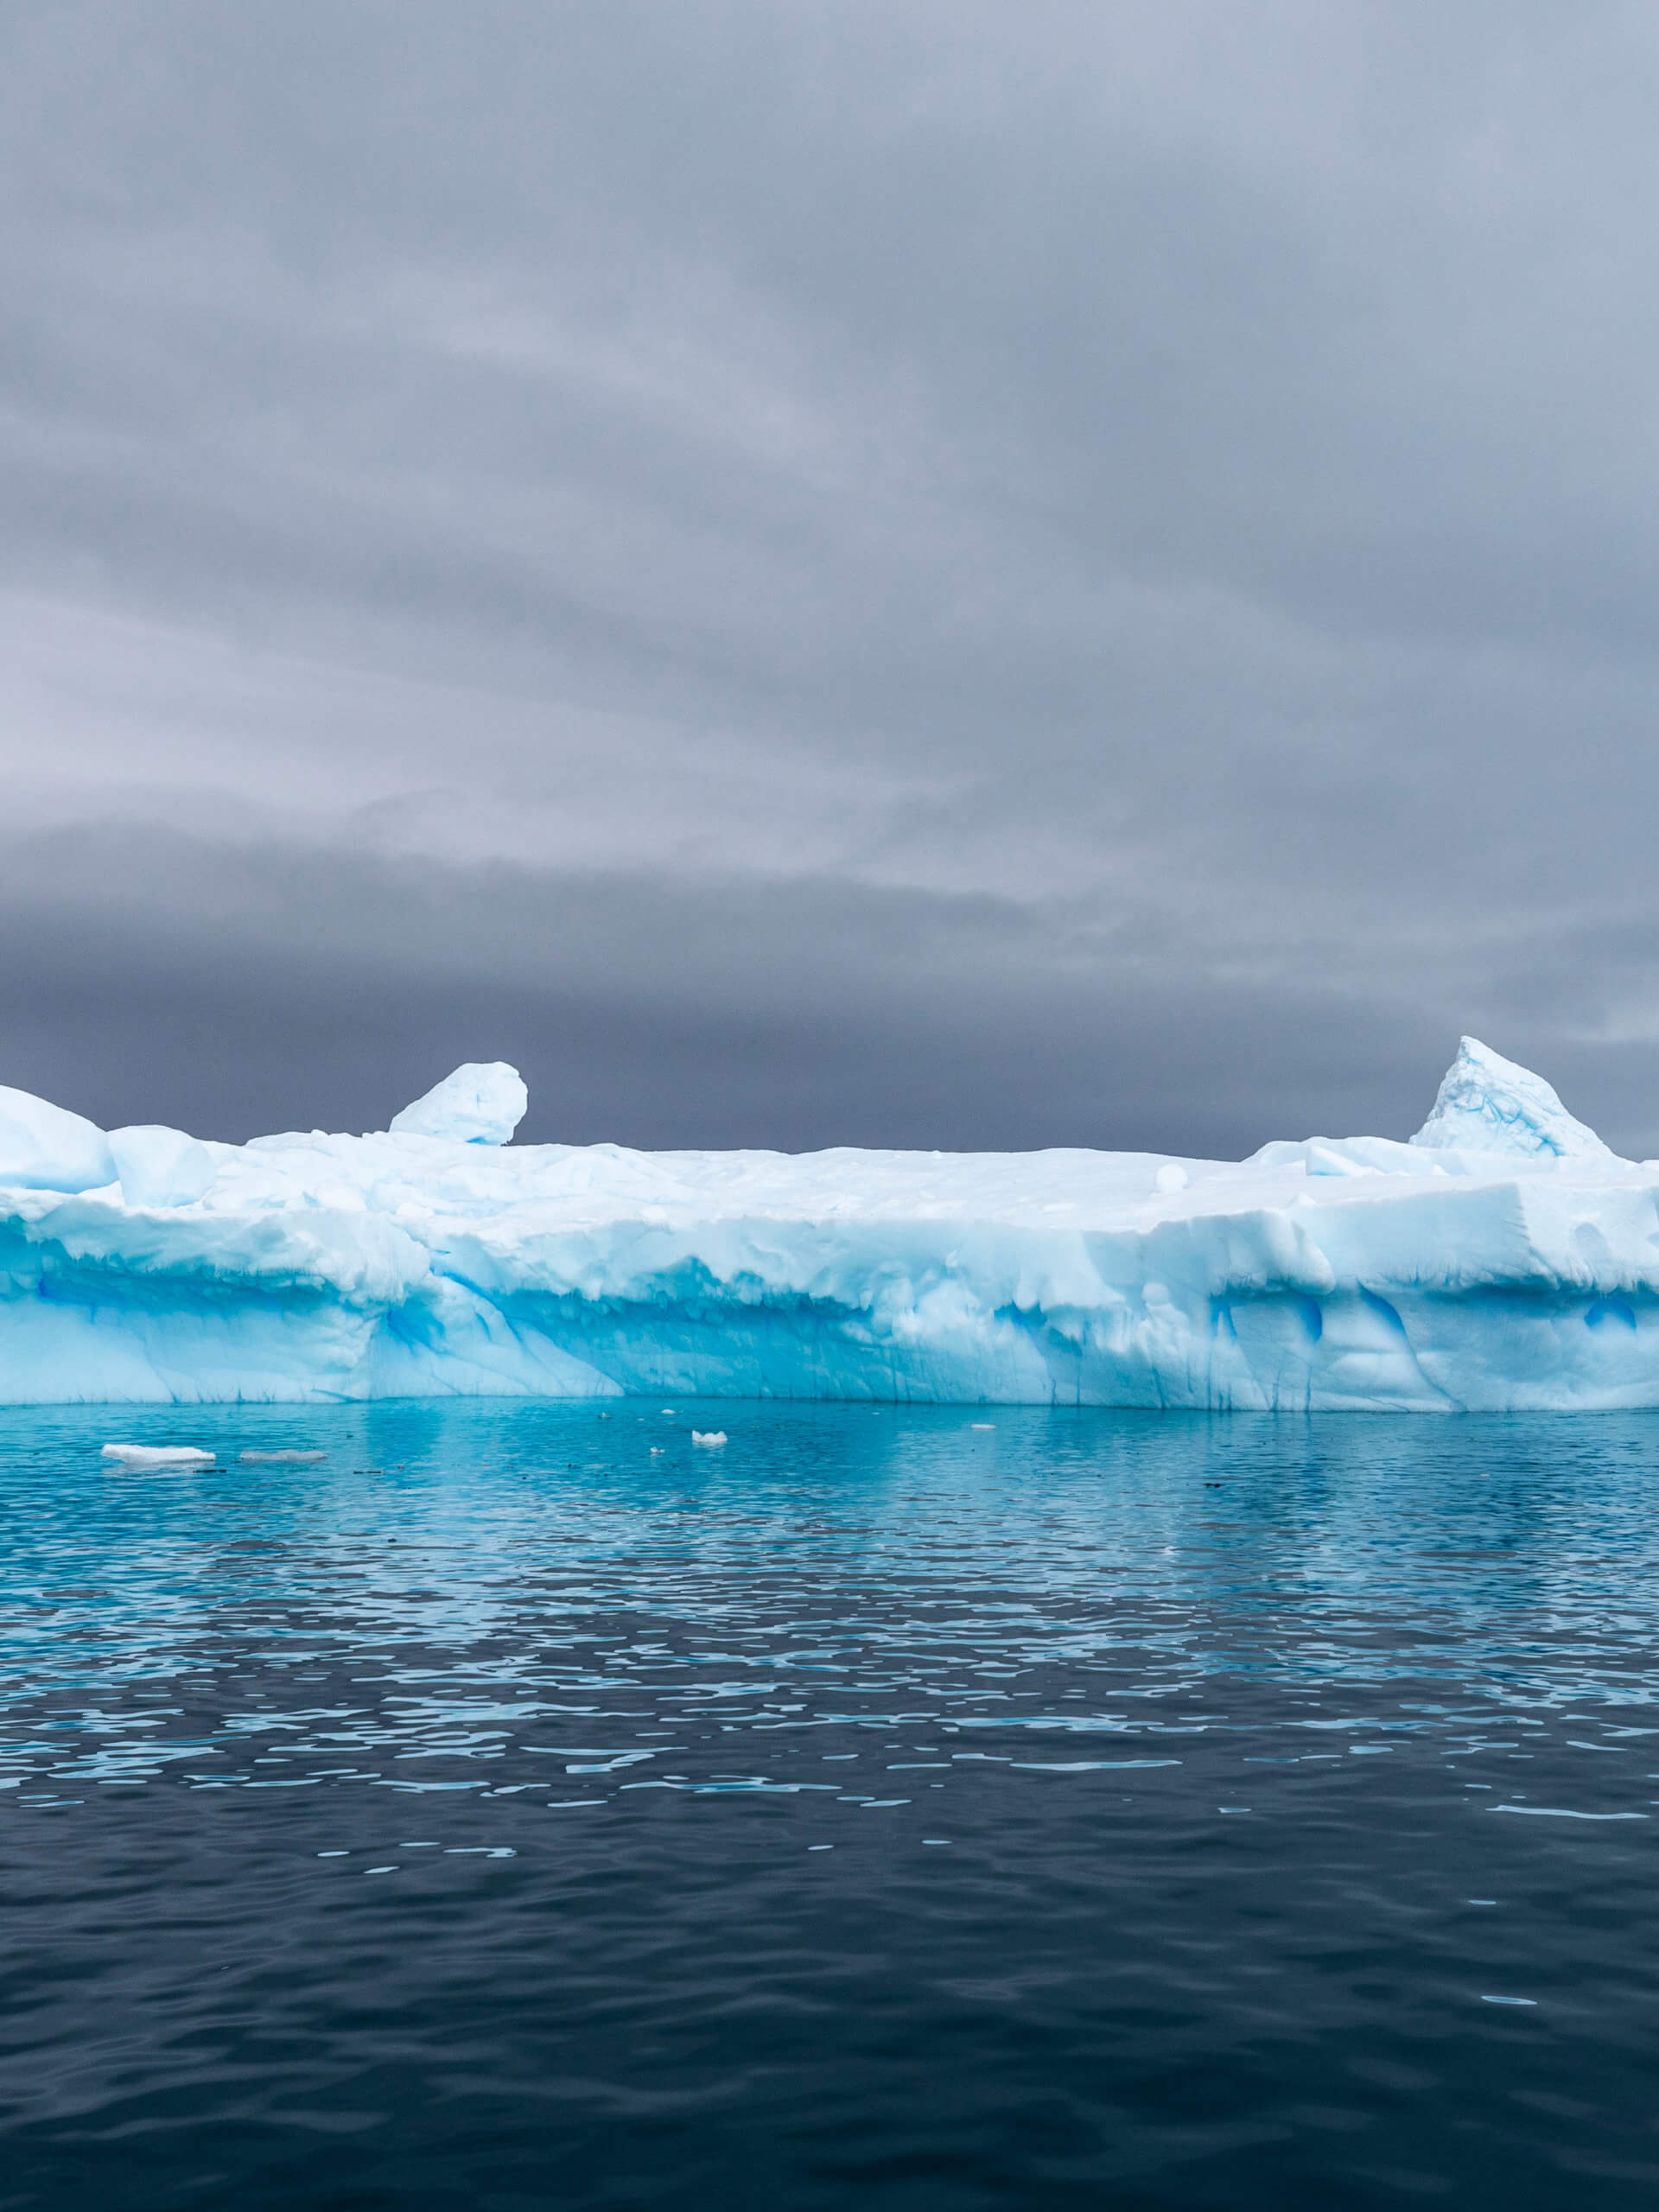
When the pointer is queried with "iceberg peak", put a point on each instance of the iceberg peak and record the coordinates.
(159, 1167)
(482, 1103)
(1487, 1104)
(45, 1148)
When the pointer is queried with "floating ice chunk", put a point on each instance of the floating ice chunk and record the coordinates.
(159, 1166)
(45, 1148)
(1486, 1103)
(709, 1436)
(325, 1269)
(482, 1103)
(158, 1455)
(280, 1458)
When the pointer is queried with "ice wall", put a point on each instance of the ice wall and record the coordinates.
(1505, 1258)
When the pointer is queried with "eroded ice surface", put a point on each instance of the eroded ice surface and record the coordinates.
(1503, 1258)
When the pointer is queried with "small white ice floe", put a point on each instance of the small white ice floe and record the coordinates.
(157, 1455)
(982, 1424)
(658, 1450)
(708, 1436)
(280, 1458)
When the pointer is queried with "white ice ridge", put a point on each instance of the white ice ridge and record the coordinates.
(1505, 1258)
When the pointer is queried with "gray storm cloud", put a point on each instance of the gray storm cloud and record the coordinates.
(812, 574)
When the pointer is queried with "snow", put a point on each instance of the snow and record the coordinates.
(1515, 1267)
(482, 1103)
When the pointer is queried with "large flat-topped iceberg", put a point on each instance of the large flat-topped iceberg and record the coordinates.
(1503, 1258)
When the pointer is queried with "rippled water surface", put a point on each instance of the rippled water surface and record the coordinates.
(527, 1808)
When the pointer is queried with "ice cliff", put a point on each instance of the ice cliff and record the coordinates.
(1503, 1258)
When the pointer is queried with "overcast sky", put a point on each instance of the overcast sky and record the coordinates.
(931, 574)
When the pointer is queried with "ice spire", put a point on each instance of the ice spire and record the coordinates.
(1487, 1104)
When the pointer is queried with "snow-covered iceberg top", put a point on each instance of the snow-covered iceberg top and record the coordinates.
(482, 1103)
(1504, 1257)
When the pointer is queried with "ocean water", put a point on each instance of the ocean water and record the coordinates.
(899, 1808)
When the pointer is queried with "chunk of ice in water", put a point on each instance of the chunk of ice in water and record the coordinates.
(328, 1269)
(157, 1455)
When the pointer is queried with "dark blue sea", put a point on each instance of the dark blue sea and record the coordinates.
(928, 1810)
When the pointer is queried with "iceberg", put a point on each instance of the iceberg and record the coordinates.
(1505, 1258)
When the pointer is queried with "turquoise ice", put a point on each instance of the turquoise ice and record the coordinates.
(1502, 1259)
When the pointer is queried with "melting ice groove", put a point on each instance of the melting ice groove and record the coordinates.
(1502, 1260)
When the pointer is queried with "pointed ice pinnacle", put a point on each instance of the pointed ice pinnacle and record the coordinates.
(482, 1103)
(1486, 1103)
